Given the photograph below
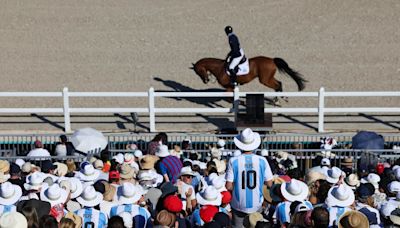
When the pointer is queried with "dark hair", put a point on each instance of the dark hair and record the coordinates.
(67, 223)
(116, 222)
(161, 136)
(31, 216)
(323, 190)
(320, 217)
(63, 138)
(263, 224)
(48, 221)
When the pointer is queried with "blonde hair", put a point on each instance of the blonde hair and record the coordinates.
(71, 165)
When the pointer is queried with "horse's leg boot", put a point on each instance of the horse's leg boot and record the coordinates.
(233, 77)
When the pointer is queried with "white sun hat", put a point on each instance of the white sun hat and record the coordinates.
(352, 181)
(129, 193)
(9, 193)
(333, 175)
(119, 158)
(237, 153)
(13, 220)
(138, 153)
(210, 196)
(264, 152)
(294, 190)
(149, 178)
(20, 162)
(247, 140)
(186, 171)
(325, 162)
(162, 151)
(341, 196)
(394, 187)
(129, 158)
(219, 183)
(34, 181)
(76, 186)
(53, 194)
(88, 173)
(221, 142)
(373, 179)
(4, 177)
(90, 197)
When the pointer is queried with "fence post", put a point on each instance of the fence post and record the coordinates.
(236, 101)
(152, 115)
(67, 119)
(321, 106)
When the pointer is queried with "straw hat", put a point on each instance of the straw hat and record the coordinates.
(148, 161)
(88, 173)
(4, 166)
(395, 216)
(4, 177)
(165, 218)
(347, 161)
(129, 193)
(252, 219)
(221, 165)
(353, 219)
(149, 178)
(61, 169)
(53, 194)
(352, 181)
(294, 190)
(89, 197)
(129, 158)
(76, 186)
(9, 193)
(109, 191)
(13, 220)
(98, 164)
(313, 176)
(127, 172)
(247, 140)
(333, 175)
(34, 181)
(341, 196)
(75, 218)
(209, 196)
(162, 151)
(26, 167)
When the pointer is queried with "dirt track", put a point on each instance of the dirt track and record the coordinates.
(133, 45)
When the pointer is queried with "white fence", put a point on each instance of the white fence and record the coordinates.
(151, 110)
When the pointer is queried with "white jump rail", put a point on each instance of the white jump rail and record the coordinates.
(151, 110)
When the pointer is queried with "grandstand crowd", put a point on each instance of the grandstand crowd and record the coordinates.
(160, 187)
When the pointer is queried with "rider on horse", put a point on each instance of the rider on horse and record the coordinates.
(235, 55)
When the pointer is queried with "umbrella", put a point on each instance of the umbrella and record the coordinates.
(88, 140)
(368, 140)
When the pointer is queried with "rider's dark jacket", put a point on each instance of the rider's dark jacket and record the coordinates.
(235, 45)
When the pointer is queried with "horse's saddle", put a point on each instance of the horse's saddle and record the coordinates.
(241, 69)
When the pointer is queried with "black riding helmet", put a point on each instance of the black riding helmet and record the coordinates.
(228, 30)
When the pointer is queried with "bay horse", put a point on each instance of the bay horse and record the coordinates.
(262, 67)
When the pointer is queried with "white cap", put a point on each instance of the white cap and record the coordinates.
(325, 162)
(264, 152)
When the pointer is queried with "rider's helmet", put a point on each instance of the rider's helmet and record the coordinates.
(228, 30)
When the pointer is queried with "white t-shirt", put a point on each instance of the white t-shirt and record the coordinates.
(38, 152)
(61, 150)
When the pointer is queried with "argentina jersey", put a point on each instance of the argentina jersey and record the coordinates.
(7, 208)
(248, 173)
(132, 209)
(92, 218)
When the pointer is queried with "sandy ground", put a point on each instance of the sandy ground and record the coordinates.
(133, 45)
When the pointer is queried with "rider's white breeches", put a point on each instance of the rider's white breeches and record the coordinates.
(236, 60)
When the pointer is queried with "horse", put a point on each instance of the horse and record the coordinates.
(262, 67)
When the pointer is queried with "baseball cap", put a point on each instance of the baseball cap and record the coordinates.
(113, 175)
(173, 204)
(365, 190)
(208, 212)
(325, 162)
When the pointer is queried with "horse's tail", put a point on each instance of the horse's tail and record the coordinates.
(284, 68)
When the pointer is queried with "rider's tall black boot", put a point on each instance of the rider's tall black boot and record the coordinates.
(233, 77)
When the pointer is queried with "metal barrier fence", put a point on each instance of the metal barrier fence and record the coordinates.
(151, 110)
(13, 145)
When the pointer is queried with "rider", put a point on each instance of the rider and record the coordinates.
(235, 55)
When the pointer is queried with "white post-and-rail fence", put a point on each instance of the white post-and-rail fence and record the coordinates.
(151, 110)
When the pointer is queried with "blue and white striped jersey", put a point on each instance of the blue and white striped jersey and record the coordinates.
(133, 209)
(282, 211)
(92, 218)
(7, 208)
(248, 173)
(335, 213)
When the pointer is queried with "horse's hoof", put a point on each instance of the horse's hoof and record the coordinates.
(285, 99)
(276, 101)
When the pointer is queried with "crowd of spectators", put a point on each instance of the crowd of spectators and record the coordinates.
(160, 187)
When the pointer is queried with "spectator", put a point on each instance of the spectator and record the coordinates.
(252, 167)
(64, 148)
(339, 200)
(9, 195)
(90, 199)
(13, 220)
(160, 139)
(186, 190)
(15, 176)
(38, 151)
(320, 217)
(116, 222)
(169, 165)
(31, 216)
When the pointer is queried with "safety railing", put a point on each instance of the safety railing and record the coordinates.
(151, 110)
